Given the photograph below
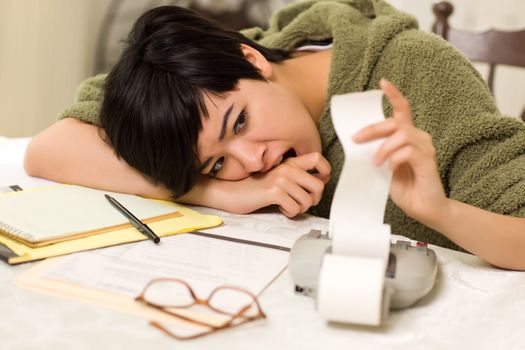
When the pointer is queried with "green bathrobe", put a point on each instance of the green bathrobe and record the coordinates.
(480, 153)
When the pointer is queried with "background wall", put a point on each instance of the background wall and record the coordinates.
(48, 47)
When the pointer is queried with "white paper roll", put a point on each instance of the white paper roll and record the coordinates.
(351, 280)
(365, 241)
(351, 290)
(358, 206)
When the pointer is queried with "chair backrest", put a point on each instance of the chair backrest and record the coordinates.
(492, 46)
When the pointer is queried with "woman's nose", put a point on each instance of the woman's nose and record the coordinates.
(250, 155)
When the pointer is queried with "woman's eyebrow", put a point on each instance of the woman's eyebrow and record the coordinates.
(225, 122)
(227, 114)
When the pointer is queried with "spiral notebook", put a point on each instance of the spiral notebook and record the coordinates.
(58, 213)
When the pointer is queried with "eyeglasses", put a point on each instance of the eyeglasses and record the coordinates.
(172, 296)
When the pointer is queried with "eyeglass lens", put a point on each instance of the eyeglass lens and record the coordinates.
(225, 300)
(235, 305)
(169, 293)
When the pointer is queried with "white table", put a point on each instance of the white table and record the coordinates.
(473, 306)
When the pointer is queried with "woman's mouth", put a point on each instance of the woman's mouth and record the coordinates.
(288, 154)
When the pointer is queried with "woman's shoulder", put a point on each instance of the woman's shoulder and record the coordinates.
(90, 94)
(92, 85)
(416, 41)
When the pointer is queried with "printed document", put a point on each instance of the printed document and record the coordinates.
(203, 262)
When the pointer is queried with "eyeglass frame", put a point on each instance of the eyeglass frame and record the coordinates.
(205, 302)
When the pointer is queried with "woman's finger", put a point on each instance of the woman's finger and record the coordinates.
(288, 206)
(307, 182)
(412, 156)
(301, 196)
(402, 137)
(399, 103)
(377, 130)
(293, 200)
(314, 162)
(294, 189)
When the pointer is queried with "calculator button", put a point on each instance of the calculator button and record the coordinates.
(422, 248)
(403, 244)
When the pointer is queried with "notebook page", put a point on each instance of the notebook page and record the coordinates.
(63, 210)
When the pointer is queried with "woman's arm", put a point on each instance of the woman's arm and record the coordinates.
(416, 188)
(71, 151)
(498, 239)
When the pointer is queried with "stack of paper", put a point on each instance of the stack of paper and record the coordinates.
(61, 219)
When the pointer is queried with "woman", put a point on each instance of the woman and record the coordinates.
(238, 123)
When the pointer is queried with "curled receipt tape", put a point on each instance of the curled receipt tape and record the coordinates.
(352, 278)
(357, 274)
(358, 206)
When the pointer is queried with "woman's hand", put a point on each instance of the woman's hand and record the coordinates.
(291, 185)
(416, 187)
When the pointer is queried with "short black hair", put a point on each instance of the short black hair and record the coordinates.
(154, 95)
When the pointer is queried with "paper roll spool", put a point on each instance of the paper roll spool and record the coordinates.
(351, 289)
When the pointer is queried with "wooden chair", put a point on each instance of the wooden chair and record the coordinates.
(493, 46)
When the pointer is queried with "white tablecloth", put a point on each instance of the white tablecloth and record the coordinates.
(473, 306)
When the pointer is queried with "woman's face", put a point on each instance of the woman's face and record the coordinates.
(251, 129)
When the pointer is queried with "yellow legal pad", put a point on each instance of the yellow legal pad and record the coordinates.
(181, 220)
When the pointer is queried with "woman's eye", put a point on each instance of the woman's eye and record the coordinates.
(216, 167)
(240, 122)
